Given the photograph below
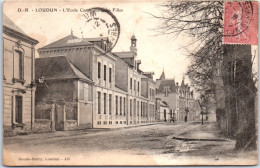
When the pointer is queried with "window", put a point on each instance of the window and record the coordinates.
(18, 65)
(137, 108)
(120, 105)
(130, 107)
(99, 70)
(105, 72)
(131, 83)
(166, 91)
(18, 109)
(110, 75)
(110, 104)
(99, 101)
(134, 85)
(105, 103)
(124, 106)
(116, 105)
(141, 108)
(138, 87)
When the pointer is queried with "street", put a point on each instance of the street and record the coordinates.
(143, 145)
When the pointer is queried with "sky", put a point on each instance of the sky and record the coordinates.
(155, 52)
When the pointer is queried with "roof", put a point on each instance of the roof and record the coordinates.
(118, 89)
(124, 54)
(162, 77)
(12, 28)
(58, 67)
(67, 41)
(167, 83)
(133, 37)
(96, 39)
(149, 74)
(9, 23)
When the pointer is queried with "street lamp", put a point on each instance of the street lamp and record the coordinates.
(41, 81)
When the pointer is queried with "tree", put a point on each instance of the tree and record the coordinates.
(213, 66)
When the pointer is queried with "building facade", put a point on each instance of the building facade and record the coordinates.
(116, 77)
(167, 92)
(185, 103)
(178, 97)
(163, 111)
(70, 92)
(18, 78)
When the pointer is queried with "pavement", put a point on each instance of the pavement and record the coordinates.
(206, 132)
(77, 132)
(152, 144)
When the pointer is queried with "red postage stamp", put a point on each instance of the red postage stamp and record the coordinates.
(241, 23)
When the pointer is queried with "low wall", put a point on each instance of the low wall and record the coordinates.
(42, 125)
(9, 131)
(70, 125)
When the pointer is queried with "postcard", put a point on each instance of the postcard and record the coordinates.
(129, 83)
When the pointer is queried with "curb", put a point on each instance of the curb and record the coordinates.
(133, 126)
(197, 139)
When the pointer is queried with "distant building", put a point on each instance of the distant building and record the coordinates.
(167, 92)
(179, 98)
(185, 102)
(18, 78)
(139, 86)
(163, 111)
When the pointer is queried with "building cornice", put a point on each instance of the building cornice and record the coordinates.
(19, 35)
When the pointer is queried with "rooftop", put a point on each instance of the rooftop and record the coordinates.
(67, 41)
(167, 83)
(9, 24)
(58, 67)
(124, 54)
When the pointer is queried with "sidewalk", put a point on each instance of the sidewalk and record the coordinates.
(206, 132)
(73, 133)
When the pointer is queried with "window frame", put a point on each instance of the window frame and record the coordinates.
(20, 52)
(99, 102)
(105, 73)
(110, 75)
(99, 70)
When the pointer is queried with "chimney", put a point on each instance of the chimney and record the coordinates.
(138, 62)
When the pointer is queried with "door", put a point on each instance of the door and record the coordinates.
(18, 109)
(59, 117)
